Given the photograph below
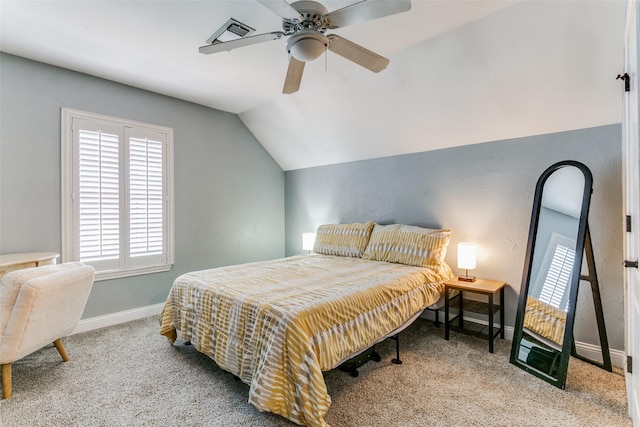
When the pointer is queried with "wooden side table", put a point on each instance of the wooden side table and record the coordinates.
(480, 286)
(11, 262)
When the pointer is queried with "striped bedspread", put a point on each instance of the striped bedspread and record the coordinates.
(278, 324)
(545, 320)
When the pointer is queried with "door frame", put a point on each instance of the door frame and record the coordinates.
(631, 197)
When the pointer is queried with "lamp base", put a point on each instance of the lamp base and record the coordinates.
(467, 278)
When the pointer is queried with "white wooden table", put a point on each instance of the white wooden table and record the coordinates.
(11, 262)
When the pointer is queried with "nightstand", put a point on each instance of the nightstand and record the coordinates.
(484, 287)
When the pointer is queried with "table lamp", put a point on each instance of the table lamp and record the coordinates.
(308, 241)
(467, 260)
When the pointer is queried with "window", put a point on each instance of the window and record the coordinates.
(556, 270)
(117, 194)
(558, 277)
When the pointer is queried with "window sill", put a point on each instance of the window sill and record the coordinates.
(116, 274)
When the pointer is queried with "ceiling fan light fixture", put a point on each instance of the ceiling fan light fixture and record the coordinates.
(307, 45)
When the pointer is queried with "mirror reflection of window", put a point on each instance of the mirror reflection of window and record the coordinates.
(558, 277)
(556, 267)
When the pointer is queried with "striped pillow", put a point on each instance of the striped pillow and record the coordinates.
(406, 244)
(343, 239)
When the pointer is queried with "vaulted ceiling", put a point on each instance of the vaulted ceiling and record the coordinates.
(461, 72)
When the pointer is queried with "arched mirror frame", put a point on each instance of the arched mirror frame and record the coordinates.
(561, 373)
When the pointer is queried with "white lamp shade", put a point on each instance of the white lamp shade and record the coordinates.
(308, 241)
(467, 256)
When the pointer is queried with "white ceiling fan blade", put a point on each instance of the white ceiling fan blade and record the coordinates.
(245, 41)
(356, 53)
(281, 8)
(294, 76)
(365, 10)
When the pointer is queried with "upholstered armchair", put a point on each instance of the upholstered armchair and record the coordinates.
(39, 306)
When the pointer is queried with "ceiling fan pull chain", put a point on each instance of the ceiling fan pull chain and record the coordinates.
(326, 60)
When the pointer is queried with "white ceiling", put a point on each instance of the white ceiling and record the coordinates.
(461, 72)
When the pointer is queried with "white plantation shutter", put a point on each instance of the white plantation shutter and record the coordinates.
(145, 196)
(97, 234)
(558, 277)
(146, 200)
(99, 195)
(117, 203)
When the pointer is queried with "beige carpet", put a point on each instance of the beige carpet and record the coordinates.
(129, 375)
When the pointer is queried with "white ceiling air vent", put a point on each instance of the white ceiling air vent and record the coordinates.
(231, 30)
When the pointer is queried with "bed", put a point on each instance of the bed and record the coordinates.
(545, 322)
(277, 325)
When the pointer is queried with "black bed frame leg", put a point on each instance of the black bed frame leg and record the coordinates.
(397, 360)
(351, 366)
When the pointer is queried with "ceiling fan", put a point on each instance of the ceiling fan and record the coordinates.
(305, 23)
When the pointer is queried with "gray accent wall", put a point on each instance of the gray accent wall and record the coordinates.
(229, 192)
(484, 193)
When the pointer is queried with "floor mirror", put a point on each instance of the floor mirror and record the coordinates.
(558, 239)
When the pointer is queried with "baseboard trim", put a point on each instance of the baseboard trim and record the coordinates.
(98, 322)
(590, 351)
(593, 352)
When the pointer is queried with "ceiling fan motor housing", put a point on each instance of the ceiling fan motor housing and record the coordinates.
(311, 17)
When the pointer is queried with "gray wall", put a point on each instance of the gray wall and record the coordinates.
(484, 193)
(229, 192)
